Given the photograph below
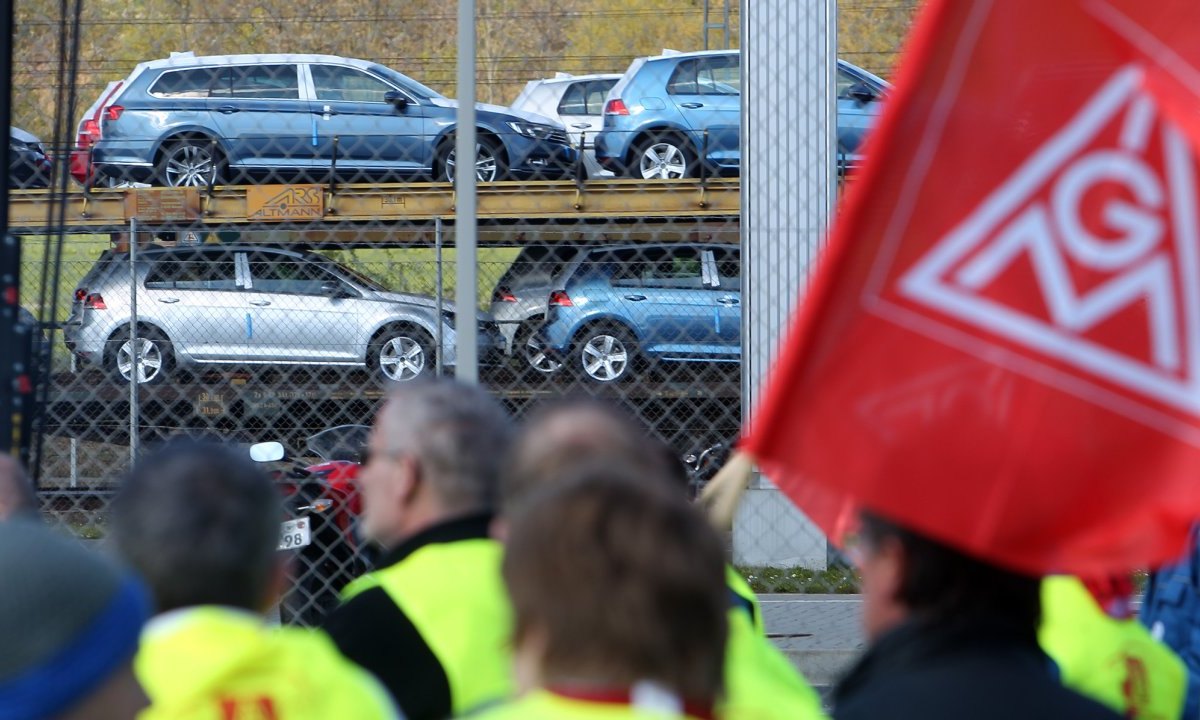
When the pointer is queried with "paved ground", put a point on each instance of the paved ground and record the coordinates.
(820, 634)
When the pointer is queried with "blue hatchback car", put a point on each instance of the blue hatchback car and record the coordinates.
(618, 307)
(668, 112)
(230, 119)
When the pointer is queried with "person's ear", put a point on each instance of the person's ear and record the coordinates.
(498, 529)
(409, 480)
(277, 585)
(891, 564)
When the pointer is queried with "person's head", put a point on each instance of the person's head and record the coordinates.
(70, 621)
(561, 435)
(16, 492)
(434, 454)
(615, 581)
(908, 576)
(200, 522)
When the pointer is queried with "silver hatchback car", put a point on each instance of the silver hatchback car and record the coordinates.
(256, 305)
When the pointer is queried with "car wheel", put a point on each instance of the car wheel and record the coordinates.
(402, 354)
(191, 163)
(489, 161)
(663, 157)
(606, 353)
(154, 356)
(532, 351)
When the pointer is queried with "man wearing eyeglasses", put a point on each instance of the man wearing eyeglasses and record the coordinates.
(432, 623)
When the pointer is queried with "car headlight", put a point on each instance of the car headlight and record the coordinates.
(534, 130)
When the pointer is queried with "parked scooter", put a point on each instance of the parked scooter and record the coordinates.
(322, 507)
(703, 464)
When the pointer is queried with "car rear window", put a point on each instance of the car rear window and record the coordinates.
(537, 266)
(585, 98)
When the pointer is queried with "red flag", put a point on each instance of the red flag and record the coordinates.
(1002, 345)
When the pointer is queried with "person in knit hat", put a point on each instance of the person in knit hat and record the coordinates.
(70, 621)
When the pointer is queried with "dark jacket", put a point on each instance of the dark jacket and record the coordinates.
(957, 670)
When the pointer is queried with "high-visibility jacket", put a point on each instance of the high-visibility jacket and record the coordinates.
(1113, 661)
(742, 595)
(216, 663)
(543, 705)
(760, 682)
(434, 623)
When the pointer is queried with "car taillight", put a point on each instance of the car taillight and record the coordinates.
(80, 294)
(561, 299)
(94, 301)
(113, 112)
(90, 134)
(503, 295)
(616, 106)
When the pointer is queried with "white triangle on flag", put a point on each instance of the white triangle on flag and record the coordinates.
(1014, 223)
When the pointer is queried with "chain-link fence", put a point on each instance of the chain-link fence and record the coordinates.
(306, 257)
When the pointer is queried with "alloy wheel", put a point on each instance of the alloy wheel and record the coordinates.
(149, 360)
(189, 165)
(485, 164)
(402, 359)
(663, 161)
(605, 357)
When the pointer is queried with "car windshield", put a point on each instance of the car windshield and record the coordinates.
(406, 82)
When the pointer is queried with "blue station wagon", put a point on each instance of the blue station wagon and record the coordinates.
(619, 307)
(231, 119)
(669, 113)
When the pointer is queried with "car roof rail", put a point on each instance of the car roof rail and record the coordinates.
(183, 54)
(668, 52)
(562, 75)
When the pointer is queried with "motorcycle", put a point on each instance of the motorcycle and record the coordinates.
(703, 464)
(322, 506)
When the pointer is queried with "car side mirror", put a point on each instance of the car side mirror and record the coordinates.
(334, 289)
(397, 99)
(863, 93)
(266, 452)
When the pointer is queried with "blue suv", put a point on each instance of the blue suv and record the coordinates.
(227, 119)
(619, 307)
(668, 112)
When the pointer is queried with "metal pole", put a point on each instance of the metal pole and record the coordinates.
(441, 302)
(74, 440)
(135, 354)
(465, 230)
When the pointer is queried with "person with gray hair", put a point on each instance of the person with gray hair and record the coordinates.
(432, 622)
(16, 492)
(201, 523)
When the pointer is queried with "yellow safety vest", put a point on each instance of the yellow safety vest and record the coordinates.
(760, 682)
(468, 631)
(1115, 662)
(542, 705)
(215, 663)
(745, 594)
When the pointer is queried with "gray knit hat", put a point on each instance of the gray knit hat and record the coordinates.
(68, 619)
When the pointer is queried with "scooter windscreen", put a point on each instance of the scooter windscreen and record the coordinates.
(342, 442)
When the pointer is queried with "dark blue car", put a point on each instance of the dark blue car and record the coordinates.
(667, 113)
(229, 119)
(618, 308)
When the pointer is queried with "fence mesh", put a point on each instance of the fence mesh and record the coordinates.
(313, 260)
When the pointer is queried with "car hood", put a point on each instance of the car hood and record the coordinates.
(500, 110)
(424, 301)
(17, 133)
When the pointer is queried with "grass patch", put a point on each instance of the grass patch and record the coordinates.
(838, 580)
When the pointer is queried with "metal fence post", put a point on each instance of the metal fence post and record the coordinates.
(441, 300)
(135, 354)
(466, 326)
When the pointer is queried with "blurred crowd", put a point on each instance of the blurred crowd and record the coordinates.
(552, 569)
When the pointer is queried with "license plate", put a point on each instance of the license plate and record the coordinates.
(295, 534)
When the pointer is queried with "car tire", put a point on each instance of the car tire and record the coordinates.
(663, 157)
(401, 354)
(191, 163)
(485, 147)
(605, 354)
(531, 354)
(157, 356)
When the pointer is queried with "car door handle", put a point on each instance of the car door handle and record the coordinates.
(635, 298)
(260, 303)
(692, 105)
(227, 109)
(728, 301)
(581, 126)
(168, 300)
